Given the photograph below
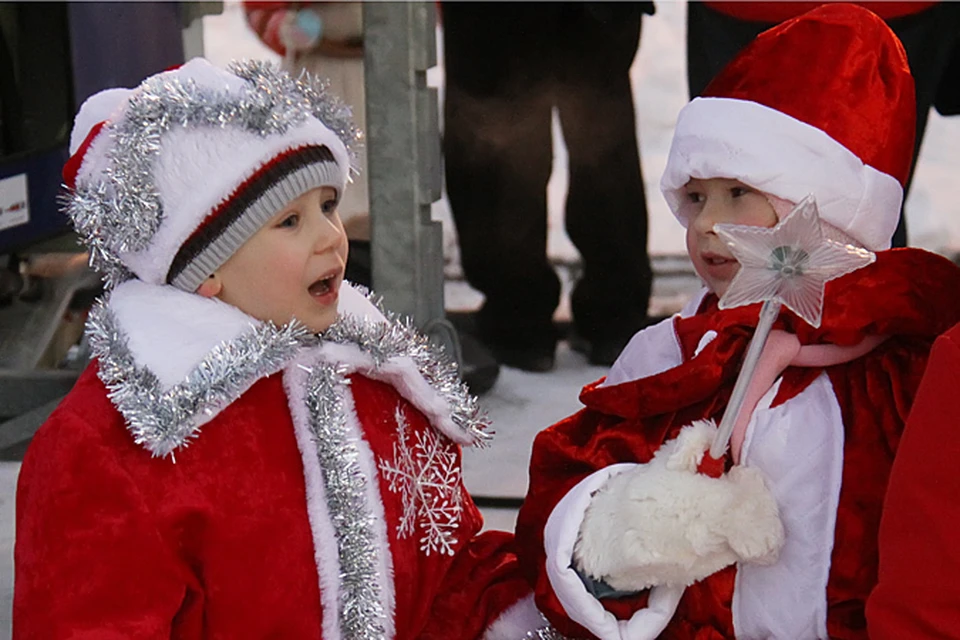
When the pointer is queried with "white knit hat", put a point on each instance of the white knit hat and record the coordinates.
(168, 180)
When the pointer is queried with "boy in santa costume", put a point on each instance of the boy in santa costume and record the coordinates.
(622, 533)
(256, 449)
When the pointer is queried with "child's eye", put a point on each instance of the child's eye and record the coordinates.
(694, 197)
(291, 221)
(736, 192)
(329, 206)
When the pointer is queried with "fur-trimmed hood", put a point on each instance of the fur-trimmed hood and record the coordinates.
(173, 360)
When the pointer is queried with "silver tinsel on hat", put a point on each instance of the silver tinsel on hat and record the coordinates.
(122, 212)
(307, 92)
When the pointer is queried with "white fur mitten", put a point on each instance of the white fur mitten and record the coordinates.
(665, 524)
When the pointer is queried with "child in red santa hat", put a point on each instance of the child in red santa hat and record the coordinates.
(624, 539)
(320, 495)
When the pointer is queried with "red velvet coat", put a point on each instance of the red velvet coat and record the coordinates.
(322, 502)
(908, 294)
(918, 594)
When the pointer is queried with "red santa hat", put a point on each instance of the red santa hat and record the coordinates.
(821, 104)
(166, 181)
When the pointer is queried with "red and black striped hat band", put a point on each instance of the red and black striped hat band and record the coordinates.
(272, 187)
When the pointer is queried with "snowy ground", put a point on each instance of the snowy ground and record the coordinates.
(523, 403)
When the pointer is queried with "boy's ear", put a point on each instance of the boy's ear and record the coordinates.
(210, 287)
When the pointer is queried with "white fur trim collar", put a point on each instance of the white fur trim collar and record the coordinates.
(169, 332)
(173, 360)
(653, 349)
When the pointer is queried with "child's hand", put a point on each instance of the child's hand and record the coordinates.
(664, 524)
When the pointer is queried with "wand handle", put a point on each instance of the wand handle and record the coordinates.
(768, 315)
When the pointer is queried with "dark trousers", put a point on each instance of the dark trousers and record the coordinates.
(507, 66)
(928, 37)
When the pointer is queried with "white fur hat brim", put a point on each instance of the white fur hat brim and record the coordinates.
(782, 156)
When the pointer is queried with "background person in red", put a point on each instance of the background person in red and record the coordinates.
(918, 592)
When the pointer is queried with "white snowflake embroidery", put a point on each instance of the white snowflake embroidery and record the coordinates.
(426, 474)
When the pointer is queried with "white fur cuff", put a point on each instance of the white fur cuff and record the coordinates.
(517, 621)
(560, 537)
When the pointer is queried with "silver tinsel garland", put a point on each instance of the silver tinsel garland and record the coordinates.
(361, 613)
(306, 92)
(162, 421)
(546, 633)
(399, 338)
(123, 212)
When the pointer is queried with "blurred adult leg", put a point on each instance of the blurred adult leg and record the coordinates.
(606, 214)
(497, 152)
(713, 40)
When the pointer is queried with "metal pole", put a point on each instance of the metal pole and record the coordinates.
(403, 160)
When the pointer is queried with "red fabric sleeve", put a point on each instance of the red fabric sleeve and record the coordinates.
(89, 561)
(918, 592)
(563, 455)
(483, 581)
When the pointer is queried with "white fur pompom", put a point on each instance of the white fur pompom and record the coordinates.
(95, 109)
(664, 524)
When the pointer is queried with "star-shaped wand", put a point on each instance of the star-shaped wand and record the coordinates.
(788, 264)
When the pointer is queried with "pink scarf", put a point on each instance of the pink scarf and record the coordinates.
(784, 350)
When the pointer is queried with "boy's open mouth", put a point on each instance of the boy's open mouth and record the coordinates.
(324, 287)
